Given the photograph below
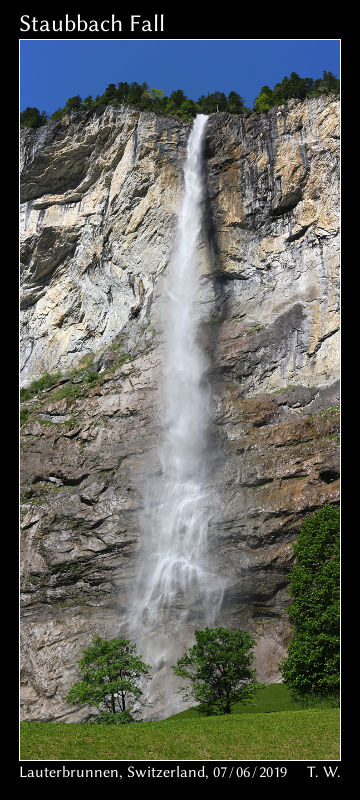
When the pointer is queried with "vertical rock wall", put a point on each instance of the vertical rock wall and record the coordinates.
(100, 198)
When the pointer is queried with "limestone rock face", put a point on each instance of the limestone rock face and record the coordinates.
(100, 199)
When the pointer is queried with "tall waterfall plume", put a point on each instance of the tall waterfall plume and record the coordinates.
(174, 585)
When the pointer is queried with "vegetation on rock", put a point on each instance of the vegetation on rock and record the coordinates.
(32, 118)
(295, 87)
(146, 99)
(38, 384)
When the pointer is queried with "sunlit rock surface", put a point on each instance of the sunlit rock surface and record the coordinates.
(100, 197)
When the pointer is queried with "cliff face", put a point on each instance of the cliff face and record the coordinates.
(100, 198)
(100, 202)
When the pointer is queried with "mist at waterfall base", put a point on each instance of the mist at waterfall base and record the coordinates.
(175, 590)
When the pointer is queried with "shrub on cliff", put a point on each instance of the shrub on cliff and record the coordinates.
(311, 668)
(38, 384)
(218, 670)
(32, 118)
(111, 677)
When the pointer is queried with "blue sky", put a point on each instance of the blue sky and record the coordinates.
(53, 70)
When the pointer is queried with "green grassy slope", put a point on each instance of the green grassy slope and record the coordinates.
(273, 697)
(282, 735)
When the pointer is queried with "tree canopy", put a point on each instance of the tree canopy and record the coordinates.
(218, 669)
(31, 118)
(312, 665)
(155, 99)
(295, 87)
(111, 678)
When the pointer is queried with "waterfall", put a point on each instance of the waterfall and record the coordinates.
(174, 585)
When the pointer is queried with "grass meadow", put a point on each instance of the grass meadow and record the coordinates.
(272, 727)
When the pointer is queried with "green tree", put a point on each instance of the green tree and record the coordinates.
(110, 96)
(87, 102)
(155, 94)
(309, 86)
(58, 114)
(170, 107)
(203, 104)
(216, 101)
(282, 91)
(188, 109)
(328, 83)
(72, 102)
(32, 118)
(154, 99)
(135, 93)
(111, 677)
(218, 669)
(313, 662)
(235, 103)
(122, 91)
(296, 86)
(177, 98)
(264, 101)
